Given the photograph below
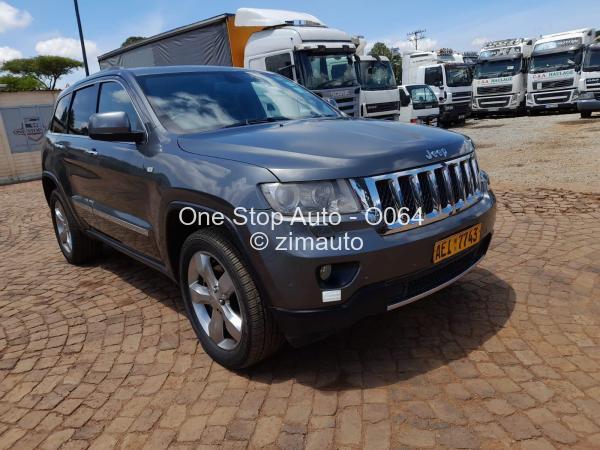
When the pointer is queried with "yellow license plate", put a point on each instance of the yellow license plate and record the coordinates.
(456, 243)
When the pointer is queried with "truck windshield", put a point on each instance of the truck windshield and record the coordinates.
(497, 68)
(376, 75)
(191, 102)
(555, 61)
(421, 94)
(325, 71)
(458, 76)
(592, 61)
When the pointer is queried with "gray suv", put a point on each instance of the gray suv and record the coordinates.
(178, 167)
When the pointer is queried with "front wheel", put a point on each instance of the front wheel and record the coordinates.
(586, 114)
(230, 319)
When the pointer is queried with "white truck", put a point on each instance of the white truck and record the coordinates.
(449, 77)
(419, 105)
(555, 69)
(500, 77)
(589, 82)
(294, 44)
(379, 95)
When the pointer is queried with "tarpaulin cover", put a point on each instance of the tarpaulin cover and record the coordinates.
(208, 44)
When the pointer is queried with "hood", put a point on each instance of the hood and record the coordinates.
(320, 149)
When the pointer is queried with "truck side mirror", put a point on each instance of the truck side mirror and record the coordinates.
(404, 99)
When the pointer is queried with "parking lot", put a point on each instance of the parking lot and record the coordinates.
(103, 356)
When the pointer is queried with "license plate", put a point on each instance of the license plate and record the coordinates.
(456, 243)
(551, 105)
(462, 116)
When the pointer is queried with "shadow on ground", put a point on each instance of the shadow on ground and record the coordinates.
(377, 351)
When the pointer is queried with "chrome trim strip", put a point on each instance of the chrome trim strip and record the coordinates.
(121, 222)
(435, 289)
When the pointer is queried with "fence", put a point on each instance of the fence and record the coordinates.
(24, 118)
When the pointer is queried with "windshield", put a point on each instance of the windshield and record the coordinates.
(192, 102)
(376, 75)
(325, 71)
(497, 68)
(421, 94)
(592, 61)
(458, 76)
(555, 61)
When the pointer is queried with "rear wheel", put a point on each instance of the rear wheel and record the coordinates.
(586, 114)
(76, 247)
(223, 304)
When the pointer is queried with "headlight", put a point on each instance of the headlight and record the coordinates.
(586, 96)
(485, 180)
(575, 95)
(318, 196)
(467, 146)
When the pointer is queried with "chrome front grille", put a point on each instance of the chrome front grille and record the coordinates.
(440, 190)
(501, 89)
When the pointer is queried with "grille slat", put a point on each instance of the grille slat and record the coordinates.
(494, 89)
(557, 84)
(440, 190)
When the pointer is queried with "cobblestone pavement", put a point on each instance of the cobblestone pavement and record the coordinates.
(103, 356)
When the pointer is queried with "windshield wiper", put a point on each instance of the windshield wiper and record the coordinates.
(255, 121)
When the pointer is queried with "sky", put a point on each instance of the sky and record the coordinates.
(32, 27)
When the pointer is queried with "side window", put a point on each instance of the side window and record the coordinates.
(433, 76)
(281, 64)
(59, 120)
(83, 106)
(114, 98)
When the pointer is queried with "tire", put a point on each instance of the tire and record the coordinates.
(76, 247)
(233, 301)
(586, 114)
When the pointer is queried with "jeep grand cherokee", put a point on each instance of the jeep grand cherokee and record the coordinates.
(129, 150)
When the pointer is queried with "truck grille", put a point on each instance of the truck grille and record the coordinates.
(347, 102)
(494, 102)
(425, 105)
(494, 89)
(440, 190)
(557, 84)
(592, 82)
(382, 107)
(552, 97)
(461, 95)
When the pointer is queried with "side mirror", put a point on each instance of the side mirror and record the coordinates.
(114, 127)
(404, 99)
(331, 101)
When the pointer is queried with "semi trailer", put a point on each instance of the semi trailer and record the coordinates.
(449, 77)
(297, 45)
(500, 77)
(555, 70)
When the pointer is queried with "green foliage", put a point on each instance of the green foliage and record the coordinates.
(132, 40)
(380, 49)
(45, 69)
(24, 83)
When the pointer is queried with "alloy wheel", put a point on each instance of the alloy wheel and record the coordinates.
(215, 300)
(62, 227)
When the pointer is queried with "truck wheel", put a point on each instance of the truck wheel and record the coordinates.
(76, 247)
(586, 114)
(230, 319)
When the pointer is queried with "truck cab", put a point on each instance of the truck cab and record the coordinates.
(500, 77)
(555, 70)
(449, 77)
(316, 56)
(379, 96)
(589, 83)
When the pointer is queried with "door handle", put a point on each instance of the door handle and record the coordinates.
(92, 152)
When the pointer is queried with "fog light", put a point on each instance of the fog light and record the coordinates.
(325, 272)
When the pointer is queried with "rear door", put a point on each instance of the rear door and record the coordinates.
(121, 205)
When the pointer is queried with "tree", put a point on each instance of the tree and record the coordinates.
(132, 40)
(380, 49)
(46, 69)
(25, 83)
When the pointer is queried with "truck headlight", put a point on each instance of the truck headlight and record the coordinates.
(333, 196)
(575, 95)
(586, 96)
(515, 99)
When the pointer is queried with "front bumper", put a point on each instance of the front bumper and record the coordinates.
(509, 103)
(454, 111)
(588, 105)
(392, 270)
